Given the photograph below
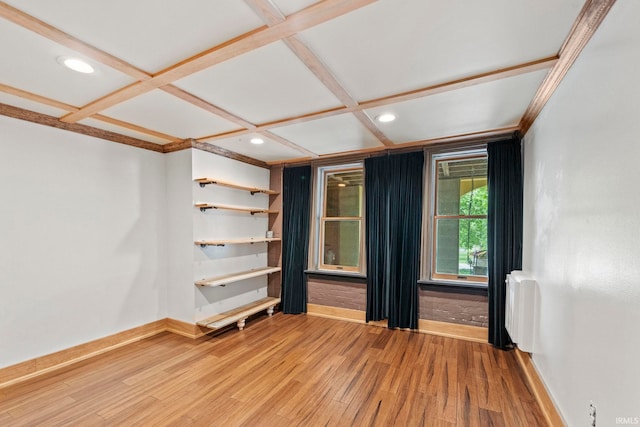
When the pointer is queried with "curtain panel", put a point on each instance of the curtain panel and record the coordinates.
(296, 197)
(393, 186)
(504, 229)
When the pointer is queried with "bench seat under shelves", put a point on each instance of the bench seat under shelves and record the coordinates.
(239, 315)
(236, 277)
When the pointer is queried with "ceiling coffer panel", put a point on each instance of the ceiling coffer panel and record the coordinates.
(269, 151)
(27, 104)
(32, 63)
(287, 7)
(335, 134)
(261, 86)
(167, 114)
(148, 34)
(493, 105)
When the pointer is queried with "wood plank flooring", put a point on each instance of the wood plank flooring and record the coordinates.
(283, 371)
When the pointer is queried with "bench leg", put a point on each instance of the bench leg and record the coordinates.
(270, 310)
(241, 323)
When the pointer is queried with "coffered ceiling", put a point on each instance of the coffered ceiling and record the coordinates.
(308, 78)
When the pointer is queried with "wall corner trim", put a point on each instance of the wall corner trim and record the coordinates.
(548, 407)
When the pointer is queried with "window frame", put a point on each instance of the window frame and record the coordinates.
(429, 274)
(320, 219)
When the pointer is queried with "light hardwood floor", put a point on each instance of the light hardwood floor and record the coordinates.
(283, 371)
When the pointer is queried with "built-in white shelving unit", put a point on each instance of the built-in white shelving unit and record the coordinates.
(239, 314)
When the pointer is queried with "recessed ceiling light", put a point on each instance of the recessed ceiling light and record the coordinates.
(256, 141)
(76, 64)
(342, 184)
(386, 117)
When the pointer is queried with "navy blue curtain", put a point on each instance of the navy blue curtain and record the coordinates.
(504, 229)
(393, 186)
(296, 196)
(376, 180)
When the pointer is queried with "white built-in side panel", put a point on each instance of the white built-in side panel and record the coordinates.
(179, 230)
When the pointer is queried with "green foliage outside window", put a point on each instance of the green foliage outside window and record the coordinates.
(473, 232)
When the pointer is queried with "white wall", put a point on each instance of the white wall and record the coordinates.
(582, 227)
(97, 238)
(82, 245)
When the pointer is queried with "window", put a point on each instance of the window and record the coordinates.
(459, 218)
(339, 218)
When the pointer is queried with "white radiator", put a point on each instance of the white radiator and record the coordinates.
(520, 312)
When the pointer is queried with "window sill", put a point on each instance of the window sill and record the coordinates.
(454, 287)
(356, 277)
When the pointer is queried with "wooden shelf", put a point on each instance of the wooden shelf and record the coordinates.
(204, 206)
(239, 315)
(236, 277)
(252, 190)
(236, 241)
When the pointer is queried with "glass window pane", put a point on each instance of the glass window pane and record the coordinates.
(461, 246)
(341, 243)
(462, 187)
(343, 193)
